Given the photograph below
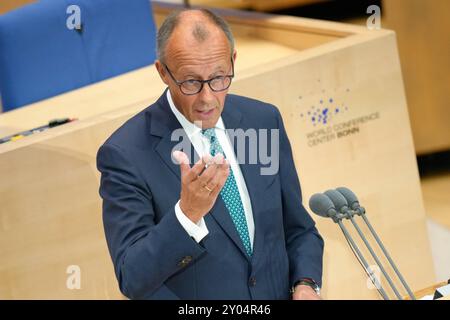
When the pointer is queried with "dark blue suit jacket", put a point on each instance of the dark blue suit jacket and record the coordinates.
(155, 258)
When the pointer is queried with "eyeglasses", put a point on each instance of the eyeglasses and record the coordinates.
(192, 87)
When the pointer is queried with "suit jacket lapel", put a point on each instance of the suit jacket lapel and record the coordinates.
(163, 123)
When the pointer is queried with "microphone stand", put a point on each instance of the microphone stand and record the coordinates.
(338, 220)
(361, 212)
(349, 215)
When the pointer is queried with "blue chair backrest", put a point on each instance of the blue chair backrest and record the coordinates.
(41, 55)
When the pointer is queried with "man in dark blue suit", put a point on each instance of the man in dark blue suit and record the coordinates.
(227, 227)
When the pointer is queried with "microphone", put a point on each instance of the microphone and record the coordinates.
(353, 203)
(341, 203)
(352, 200)
(323, 206)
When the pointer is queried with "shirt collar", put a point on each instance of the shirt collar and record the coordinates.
(190, 128)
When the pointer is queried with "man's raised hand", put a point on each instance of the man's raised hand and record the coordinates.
(199, 186)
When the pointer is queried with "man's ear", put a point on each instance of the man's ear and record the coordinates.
(162, 71)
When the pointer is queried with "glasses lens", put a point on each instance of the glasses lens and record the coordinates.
(220, 83)
(191, 86)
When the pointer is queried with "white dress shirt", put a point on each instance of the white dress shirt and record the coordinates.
(202, 145)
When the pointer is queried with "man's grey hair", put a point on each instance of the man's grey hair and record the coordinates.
(199, 32)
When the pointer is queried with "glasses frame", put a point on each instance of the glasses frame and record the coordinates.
(202, 82)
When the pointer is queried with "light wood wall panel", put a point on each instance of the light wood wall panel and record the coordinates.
(423, 33)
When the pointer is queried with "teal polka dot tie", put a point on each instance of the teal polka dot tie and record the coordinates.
(230, 194)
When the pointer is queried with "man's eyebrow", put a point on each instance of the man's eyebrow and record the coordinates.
(189, 74)
(218, 69)
(197, 76)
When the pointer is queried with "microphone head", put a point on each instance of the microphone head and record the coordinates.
(351, 198)
(339, 201)
(321, 205)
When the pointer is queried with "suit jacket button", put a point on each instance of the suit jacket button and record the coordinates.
(252, 281)
(185, 261)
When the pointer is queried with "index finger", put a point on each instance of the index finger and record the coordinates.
(197, 168)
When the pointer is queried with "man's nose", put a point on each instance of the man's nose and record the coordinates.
(206, 94)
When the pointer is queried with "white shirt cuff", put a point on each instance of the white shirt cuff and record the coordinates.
(196, 230)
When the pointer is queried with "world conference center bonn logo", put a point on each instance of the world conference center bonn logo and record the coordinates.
(331, 117)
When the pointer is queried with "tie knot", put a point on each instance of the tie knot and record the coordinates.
(210, 134)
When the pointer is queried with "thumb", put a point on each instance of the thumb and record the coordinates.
(183, 160)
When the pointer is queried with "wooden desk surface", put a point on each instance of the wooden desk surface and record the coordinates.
(136, 87)
(427, 291)
(261, 39)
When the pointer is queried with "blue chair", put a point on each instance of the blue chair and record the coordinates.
(41, 57)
